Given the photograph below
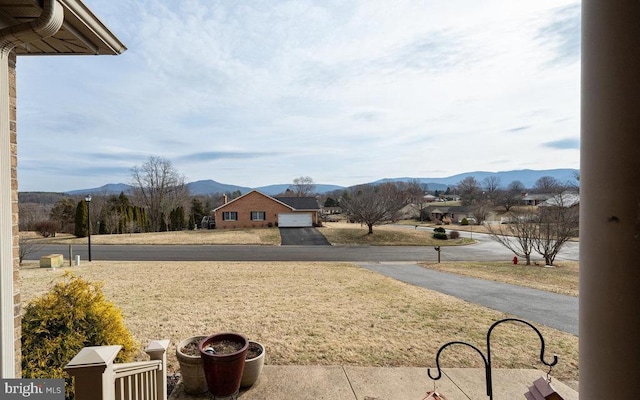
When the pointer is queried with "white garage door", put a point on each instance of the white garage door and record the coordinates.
(294, 220)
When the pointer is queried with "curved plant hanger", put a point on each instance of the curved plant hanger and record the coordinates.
(487, 359)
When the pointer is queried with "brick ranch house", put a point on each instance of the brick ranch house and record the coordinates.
(258, 210)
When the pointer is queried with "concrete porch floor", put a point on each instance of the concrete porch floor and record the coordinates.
(294, 382)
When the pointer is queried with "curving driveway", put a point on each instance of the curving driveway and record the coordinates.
(545, 308)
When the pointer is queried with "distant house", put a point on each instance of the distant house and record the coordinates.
(566, 200)
(454, 213)
(429, 198)
(409, 211)
(257, 210)
(535, 199)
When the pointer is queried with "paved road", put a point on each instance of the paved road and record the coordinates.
(540, 307)
(485, 245)
(484, 250)
(248, 253)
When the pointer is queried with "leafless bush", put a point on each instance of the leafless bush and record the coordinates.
(26, 247)
(46, 228)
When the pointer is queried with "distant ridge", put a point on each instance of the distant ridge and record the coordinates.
(109, 188)
(211, 187)
(273, 190)
(528, 177)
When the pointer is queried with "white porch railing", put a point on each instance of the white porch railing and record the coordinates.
(96, 377)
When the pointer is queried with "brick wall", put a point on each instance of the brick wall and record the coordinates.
(14, 208)
(252, 201)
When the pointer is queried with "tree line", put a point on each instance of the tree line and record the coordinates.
(159, 201)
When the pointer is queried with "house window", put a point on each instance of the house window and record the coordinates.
(258, 215)
(230, 216)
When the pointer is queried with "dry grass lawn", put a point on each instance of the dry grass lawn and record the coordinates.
(199, 237)
(309, 313)
(383, 235)
(563, 278)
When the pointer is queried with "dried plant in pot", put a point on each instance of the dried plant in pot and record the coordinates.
(191, 369)
(253, 364)
(223, 356)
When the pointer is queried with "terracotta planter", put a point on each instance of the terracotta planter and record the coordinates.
(223, 372)
(191, 368)
(253, 366)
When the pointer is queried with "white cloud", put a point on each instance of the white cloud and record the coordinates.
(256, 93)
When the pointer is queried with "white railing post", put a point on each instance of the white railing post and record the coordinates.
(92, 370)
(157, 350)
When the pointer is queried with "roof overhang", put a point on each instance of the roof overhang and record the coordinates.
(81, 33)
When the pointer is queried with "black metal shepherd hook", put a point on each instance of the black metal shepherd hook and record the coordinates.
(487, 359)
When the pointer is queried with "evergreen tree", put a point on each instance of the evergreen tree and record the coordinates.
(330, 202)
(197, 212)
(82, 216)
(176, 218)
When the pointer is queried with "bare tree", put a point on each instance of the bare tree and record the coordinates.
(469, 190)
(557, 224)
(413, 191)
(547, 184)
(481, 210)
(30, 213)
(414, 194)
(491, 185)
(518, 235)
(511, 196)
(574, 185)
(64, 212)
(26, 247)
(544, 231)
(373, 204)
(159, 187)
(303, 186)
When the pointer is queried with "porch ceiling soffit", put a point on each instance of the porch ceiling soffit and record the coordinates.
(82, 33)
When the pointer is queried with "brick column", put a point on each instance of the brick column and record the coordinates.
(14, 211)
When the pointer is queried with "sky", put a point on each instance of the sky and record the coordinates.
(254, 93)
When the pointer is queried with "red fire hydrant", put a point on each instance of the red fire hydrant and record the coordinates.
(515, 260)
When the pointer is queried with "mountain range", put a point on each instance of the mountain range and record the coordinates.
(528, 178)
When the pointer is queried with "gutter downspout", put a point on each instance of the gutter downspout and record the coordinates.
(47, 24)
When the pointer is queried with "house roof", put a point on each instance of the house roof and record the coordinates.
(446, 209)
(566, 200)
(536, 196)
(81, 31)
(247, 194)
(294, 203)
(300, 203)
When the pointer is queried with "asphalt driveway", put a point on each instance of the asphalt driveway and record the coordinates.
(302, 237)
(549, 309)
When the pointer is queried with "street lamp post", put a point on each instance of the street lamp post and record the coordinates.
(88, 200)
